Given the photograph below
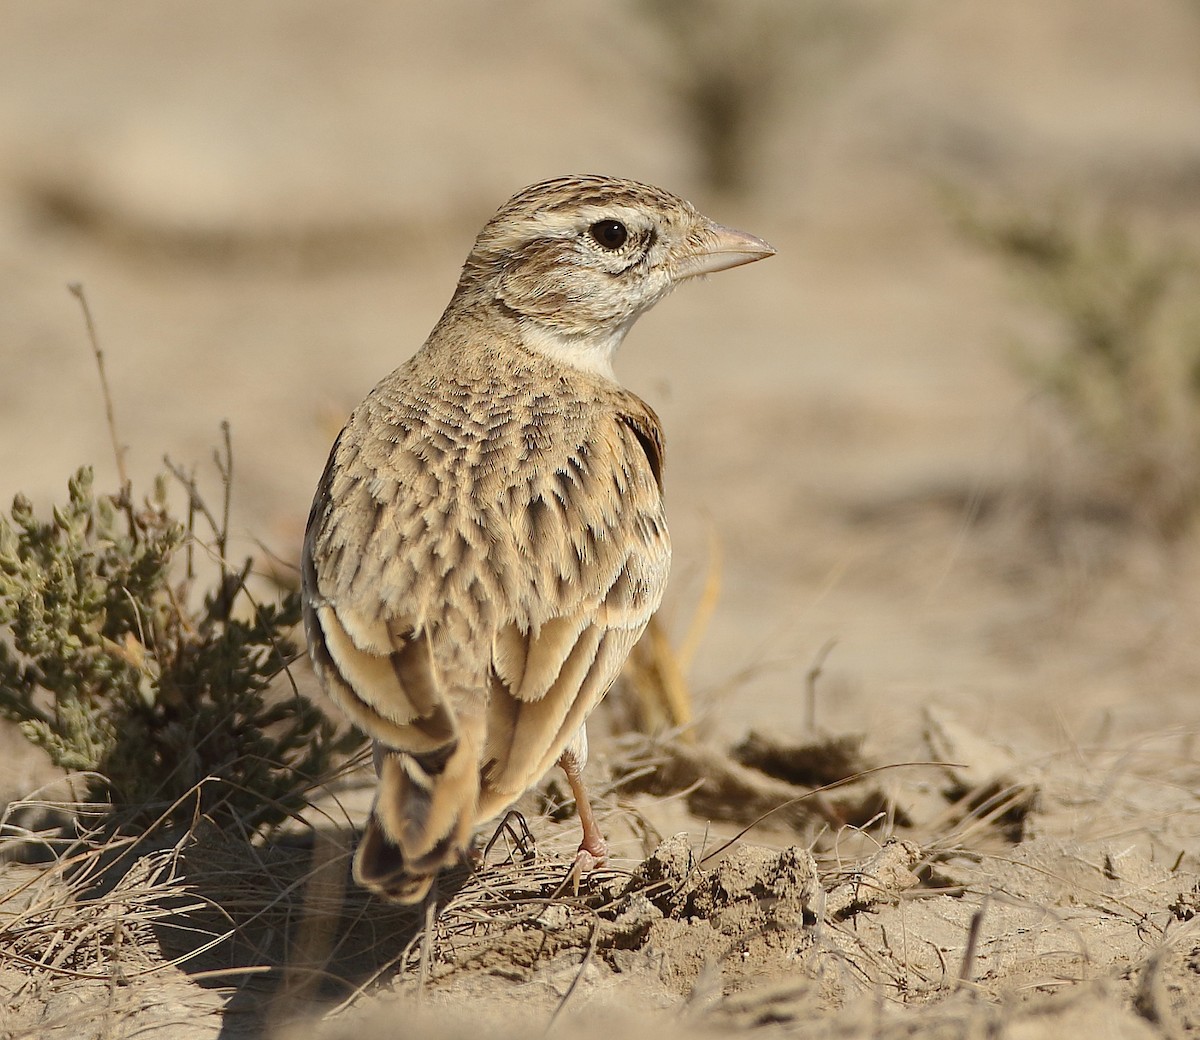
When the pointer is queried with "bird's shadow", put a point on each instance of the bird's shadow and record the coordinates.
(283, 927)
(275, 925)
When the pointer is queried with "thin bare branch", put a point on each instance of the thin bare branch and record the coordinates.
(76, 290)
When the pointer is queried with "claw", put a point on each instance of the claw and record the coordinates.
(592, 855)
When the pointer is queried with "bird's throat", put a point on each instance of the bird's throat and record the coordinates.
(592, 353)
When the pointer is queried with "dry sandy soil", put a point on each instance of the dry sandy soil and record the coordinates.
(268, 204)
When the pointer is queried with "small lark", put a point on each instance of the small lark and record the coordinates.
(488, 539)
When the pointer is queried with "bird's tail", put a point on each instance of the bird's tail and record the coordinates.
(421, 821)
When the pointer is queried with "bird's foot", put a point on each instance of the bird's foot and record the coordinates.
(592, 855)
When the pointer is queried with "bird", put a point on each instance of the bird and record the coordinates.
(488, 538)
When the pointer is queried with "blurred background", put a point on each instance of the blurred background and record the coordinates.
(950, 427)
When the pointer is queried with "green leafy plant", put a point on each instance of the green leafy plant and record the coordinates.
(1123, 366)
(106, 666)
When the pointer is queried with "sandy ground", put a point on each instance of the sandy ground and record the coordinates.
(268, 205)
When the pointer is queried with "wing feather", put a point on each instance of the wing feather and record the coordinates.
(537, 721)
(598, 576)
(548, 650)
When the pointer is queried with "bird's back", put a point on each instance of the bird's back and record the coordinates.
(486, 545)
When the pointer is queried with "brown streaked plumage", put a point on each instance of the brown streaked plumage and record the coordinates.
(488, 539)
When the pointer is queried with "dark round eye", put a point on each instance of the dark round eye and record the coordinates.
(611, 234)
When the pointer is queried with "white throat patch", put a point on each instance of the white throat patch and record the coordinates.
(593, 354)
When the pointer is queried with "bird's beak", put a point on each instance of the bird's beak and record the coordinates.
(717, 248)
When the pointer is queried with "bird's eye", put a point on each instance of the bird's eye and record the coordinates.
(611, 234)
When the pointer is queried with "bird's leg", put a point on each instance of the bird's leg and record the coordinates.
(593, 849)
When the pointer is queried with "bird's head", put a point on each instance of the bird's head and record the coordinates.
(575, 260)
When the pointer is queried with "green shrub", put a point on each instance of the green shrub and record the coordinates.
(105, 666)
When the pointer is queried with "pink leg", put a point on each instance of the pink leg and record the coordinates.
(593, 850)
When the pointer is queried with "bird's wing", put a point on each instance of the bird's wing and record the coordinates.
(594, 532)
(387, 569)
(365, 639)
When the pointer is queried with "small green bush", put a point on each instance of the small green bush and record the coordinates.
(104, 665)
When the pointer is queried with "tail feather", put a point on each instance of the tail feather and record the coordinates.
(421, 821)
(379, 867)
